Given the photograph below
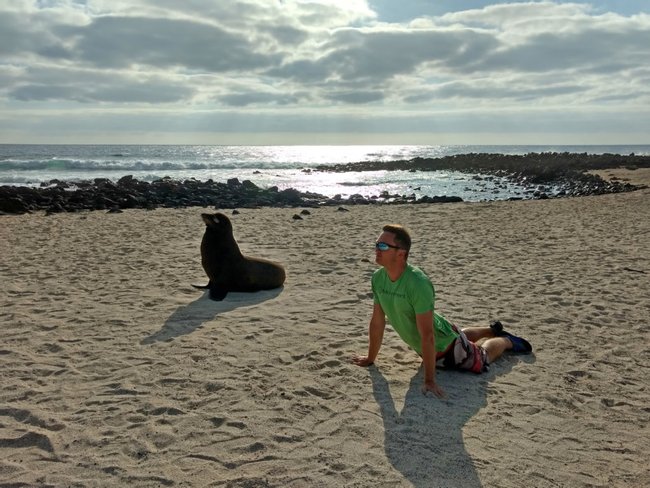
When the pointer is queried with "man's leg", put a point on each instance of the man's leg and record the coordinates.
(489, 338)
(475, 334)
(495, 347)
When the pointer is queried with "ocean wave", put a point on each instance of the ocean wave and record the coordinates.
(357, 183)
(125, 159)
(126, 166)
(18, 180)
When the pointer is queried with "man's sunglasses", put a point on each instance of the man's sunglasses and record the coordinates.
(384, 246)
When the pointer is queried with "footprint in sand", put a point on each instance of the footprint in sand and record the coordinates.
(26, 417)
(31, 439)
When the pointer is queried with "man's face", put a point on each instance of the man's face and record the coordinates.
(392, 254)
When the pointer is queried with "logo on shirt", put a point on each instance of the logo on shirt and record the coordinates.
(392, 293)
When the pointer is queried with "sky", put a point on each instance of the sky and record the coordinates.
(324, 72)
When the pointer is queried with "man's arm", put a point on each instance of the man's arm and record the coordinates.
(375, 336)
(425, 328)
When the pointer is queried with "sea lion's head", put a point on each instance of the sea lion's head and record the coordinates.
(218, 222)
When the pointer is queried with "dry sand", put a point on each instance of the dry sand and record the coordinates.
(116, 372)
(638, 176)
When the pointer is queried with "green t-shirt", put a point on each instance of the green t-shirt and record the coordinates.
(412, 294)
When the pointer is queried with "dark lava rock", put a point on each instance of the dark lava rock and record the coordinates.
(14, 205)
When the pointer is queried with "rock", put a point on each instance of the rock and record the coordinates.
(13, 205)
(249, 185)
(55, 208)
(125, 180)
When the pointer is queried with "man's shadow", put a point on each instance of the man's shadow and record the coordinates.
(187, 318)
(424, 441)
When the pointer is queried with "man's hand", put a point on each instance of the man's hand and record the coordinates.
(433, 387)
(362, 361)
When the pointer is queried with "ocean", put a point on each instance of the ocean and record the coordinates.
(266, 166)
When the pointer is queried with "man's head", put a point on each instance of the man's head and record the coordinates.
(393, 245)
(401, 235)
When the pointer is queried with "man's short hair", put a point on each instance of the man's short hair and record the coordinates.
(402, 236)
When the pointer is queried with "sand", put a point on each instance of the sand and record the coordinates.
(116, 372)
(638, 176)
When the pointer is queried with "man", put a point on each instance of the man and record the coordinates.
(405, 295)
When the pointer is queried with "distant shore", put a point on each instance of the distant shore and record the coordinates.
(532, 168)
(572, 174)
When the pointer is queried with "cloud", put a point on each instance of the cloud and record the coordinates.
(252, 98)
(357, 96)
(54, 83)
(166, 43)
(300, 56)
(137, 92)
(488, 90)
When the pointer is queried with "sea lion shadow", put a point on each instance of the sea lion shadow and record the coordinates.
(187, 318)
(424, 441)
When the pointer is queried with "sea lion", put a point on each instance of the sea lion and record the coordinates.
(227, 268)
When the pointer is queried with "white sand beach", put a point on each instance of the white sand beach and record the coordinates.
(116, 372)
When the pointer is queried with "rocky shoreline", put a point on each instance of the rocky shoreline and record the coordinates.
(566, 172)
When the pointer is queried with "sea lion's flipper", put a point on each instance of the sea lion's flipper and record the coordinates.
(218, 293)
(202, 287)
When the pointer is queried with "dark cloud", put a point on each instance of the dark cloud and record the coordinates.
(287, 35)
(22, 35)
(251, 98)
(382, 55)
(138, 92)
(86, 86)
(128, 41)
(33, 92)
(372, 58)
(586, 49)
(356, 97)
(493, 91)
(12, 39)
(303, 71)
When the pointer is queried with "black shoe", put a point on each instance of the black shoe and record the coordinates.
(519, 344)
(497, 328)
